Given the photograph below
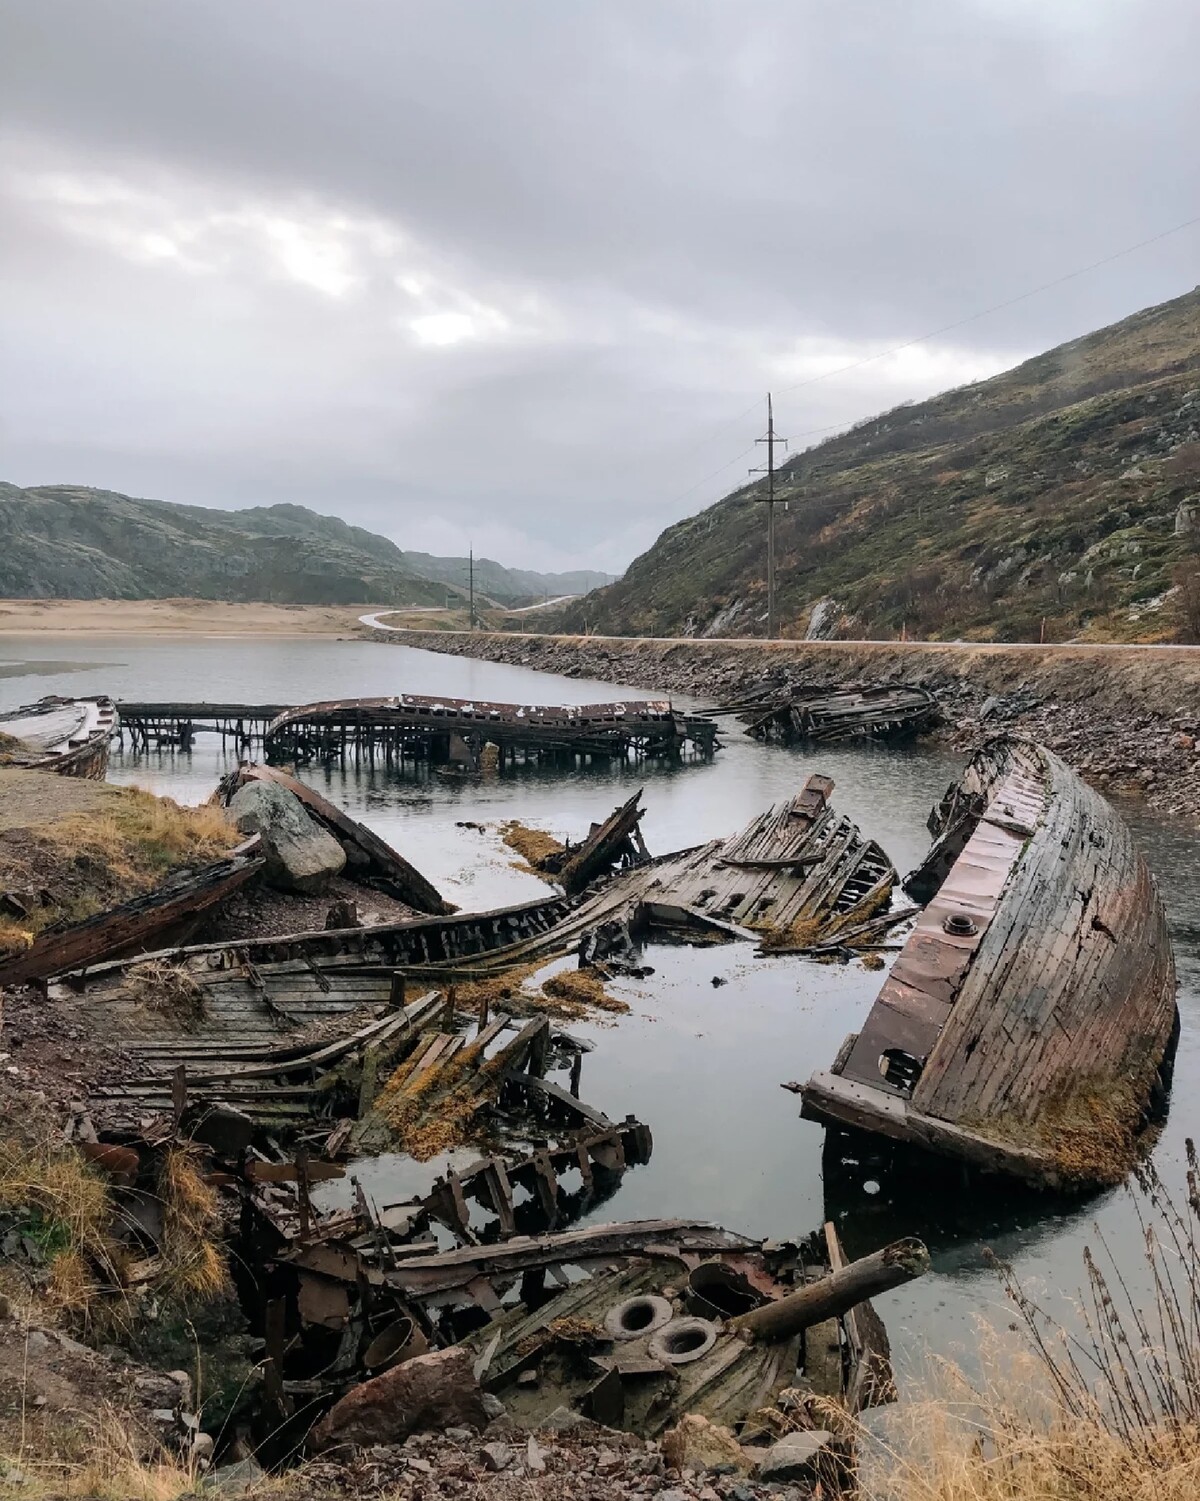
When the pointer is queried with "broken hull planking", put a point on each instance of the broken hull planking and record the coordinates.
(1054, 1002)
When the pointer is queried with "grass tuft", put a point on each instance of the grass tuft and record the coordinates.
(194, 1269)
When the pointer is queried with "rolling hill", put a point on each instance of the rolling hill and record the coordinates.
(1057, 491)
(74, 542)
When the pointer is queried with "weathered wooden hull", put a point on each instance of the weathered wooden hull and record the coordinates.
(1025, 1024)
(799, 870)
(456, 730)
(79, 749)
(174, 909)
(816, 716)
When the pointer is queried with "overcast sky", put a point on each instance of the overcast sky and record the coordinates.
(511, 272)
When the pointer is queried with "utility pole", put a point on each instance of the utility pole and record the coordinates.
(770, 502)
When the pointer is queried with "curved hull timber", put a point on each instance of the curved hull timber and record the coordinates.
(800, 871)
(70, 736)
(177, 907)
(1028, 1021)
(816, 716)
(455, 730)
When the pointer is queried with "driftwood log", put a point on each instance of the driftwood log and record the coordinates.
(835, 1294)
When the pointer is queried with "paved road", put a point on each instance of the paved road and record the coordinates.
(375, 622)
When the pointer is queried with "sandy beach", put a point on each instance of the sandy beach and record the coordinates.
(175, 617)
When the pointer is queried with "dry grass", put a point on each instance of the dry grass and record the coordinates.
(15, 935)
(113, 1469)
(65, 1208)
(139, 836)
(1001, 1445)
(169, 989)
(1108, 1412)
(1093, 1130)
(194, 1269)
(534, 846)
(576, 991)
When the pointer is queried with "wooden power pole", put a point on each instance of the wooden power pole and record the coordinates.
(471, 586)
(769, 500)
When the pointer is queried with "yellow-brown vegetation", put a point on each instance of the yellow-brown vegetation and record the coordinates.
(138, 837)
(65, 1209)
(193, 1265)
(574, 991)
(533, 845)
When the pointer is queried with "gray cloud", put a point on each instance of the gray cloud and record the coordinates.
(508, 272)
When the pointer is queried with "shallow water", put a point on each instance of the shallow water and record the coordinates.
(701, 1064)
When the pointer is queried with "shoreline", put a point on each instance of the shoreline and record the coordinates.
(1127, 718)
(164, 618)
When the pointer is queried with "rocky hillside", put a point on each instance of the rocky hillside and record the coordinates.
(73, 542)
(1065, 490)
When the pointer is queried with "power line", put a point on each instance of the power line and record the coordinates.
(997, 307)
(923, 339)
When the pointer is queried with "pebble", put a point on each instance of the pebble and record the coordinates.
(496, 1457)
(535, 1457)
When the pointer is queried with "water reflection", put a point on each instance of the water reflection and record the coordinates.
(702, 1064)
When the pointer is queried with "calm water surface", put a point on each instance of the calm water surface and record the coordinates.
(701, 1064)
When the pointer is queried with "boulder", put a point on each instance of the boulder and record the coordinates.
(698, 1444)
(805, 1458)
(300, 854)
(438, 1390)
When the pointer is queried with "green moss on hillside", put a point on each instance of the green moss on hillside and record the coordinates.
(1048, 493)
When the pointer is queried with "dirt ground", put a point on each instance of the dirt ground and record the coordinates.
(175, 617)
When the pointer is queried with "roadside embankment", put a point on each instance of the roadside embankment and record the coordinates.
(1128, 718)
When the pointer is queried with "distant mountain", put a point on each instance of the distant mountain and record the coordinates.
(74, 542)
(508, 586)
(1062, 495)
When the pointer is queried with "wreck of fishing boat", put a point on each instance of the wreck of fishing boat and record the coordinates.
(175, 909)
(632, 1325)
(68, 735)
(455, 731)
(1028, 1024)
(799, 716)
(800, 878)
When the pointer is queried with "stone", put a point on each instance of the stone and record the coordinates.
(696, 1443)
(672, 1494)
(493, 1406)
(202, 1450)
(528, 1379)
(235, 1479)
(495, 1457)
(563, 1420)
(535, 1457)
(300, 854)
(437, 1391)
(421, 1466)
(806, 1456)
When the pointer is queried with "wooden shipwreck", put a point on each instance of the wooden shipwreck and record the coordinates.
(632, 1325)
(1027, 1026)
(454, 731)
(172, 910)
(798, 716)
(68, 735)
(798, 877)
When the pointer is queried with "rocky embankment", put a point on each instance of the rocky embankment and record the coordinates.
(1127, 718)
